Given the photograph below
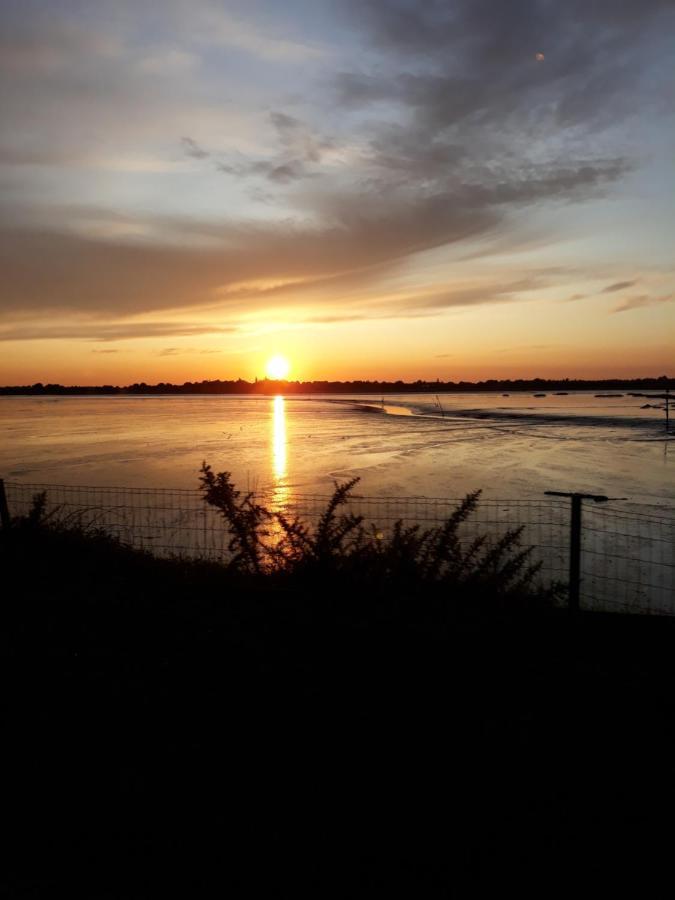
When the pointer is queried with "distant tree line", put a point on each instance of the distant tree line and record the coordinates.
(267, 387)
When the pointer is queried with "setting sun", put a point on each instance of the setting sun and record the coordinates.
(278, 367)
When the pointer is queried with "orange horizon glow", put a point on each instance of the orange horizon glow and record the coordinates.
(77, 365)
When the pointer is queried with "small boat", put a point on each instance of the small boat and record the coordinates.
(506, 395)
(562, 393)
(539, 395)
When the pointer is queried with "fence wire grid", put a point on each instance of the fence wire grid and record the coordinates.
(627, 557)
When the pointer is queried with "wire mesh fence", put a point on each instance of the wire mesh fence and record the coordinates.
(627, 557)
(628, 560)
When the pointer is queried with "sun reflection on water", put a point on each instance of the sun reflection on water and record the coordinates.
(280, 491)
(279, 439)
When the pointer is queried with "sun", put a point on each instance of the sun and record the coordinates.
(278, 368)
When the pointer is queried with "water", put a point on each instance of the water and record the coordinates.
(410, 446)
(514, 446)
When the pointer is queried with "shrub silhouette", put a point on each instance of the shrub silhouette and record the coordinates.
(341, 552)
(341, 545)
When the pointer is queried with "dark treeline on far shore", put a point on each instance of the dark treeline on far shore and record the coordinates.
(267, 386)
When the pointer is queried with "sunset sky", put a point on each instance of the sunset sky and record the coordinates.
(373, 189)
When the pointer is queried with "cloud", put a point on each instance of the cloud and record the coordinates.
(23, 154)
(263, 39)
(488, 37)
(79, 90)
(298, 138)
(168, 62)
(431, 302)
(298, 149)
(519, 348)
(641, 300)
(440, 129)
(293, 170)
(192, 149)
(198, 261)
(107, 332)
(473, 295)
(459, 83)
(105, 351)
(617, 286)
(45, 269)
(177, 351)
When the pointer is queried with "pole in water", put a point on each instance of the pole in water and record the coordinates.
(666, 407)
(667, 410)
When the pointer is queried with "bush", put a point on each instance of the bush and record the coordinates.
(343, 546)
(341, 556)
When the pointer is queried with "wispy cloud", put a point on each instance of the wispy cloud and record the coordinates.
(104, 332)
(262, 38)
(643, 300)
(298, 151)
(43, 270)
(617, 286)
(192, 149)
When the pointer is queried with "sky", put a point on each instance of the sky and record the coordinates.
(380, 189)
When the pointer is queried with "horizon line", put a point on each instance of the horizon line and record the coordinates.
(398, 384)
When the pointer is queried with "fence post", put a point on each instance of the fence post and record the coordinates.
(575, 554)
(5, 520)
(574, 589)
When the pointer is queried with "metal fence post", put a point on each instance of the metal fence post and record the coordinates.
(574, 589)
(575, 553)
(5, 520)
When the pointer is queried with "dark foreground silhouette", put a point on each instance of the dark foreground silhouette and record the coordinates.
(176, 727)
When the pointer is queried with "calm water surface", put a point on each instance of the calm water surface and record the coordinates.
(417, 445)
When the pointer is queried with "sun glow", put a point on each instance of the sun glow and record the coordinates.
(278, 368)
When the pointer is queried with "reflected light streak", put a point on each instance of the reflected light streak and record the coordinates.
(280, 492)
(279, 439)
